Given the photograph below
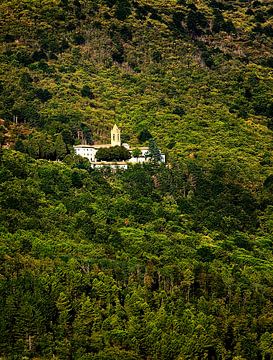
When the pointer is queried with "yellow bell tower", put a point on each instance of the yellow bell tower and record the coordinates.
(115, 136)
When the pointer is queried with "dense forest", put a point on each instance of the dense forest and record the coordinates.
(161, 261)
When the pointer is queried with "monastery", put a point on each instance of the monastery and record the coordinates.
(89, 152)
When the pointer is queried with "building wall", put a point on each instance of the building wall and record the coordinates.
(111, 166)
(87, 152)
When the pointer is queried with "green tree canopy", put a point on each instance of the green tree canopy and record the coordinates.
(115, 153)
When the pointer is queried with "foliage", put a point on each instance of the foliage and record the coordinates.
(154, 152)
(156, 262)
(136, 152)
(144, 135)
(100, 264)
(114, 153)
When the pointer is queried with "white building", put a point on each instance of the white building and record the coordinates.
(89, 152)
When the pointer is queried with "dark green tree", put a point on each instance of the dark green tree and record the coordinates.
(116, 153)
(154, 152)
(144, 135)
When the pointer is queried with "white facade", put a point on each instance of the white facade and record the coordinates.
(87, 151)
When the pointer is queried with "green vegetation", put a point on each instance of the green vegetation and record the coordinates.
(136, 152)
(154, 151)
(154, 262)
(151, 262)
(115, 153)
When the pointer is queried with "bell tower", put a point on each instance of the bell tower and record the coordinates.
(115, 136)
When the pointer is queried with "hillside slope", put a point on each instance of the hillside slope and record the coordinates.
(156, 262)
(179, 69)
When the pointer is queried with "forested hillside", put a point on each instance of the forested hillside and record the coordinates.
(156, 262)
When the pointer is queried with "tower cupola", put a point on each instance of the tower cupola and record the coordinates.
(115, 136)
